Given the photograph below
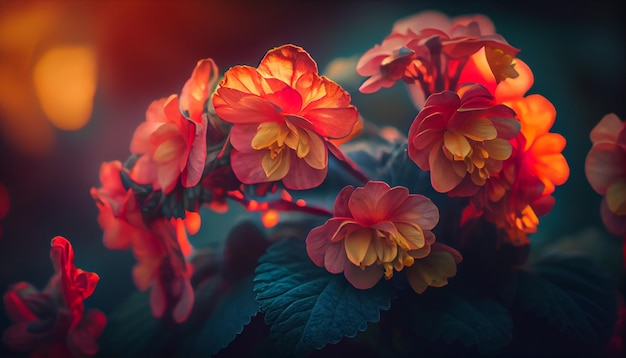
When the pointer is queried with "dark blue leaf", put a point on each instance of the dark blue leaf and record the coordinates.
(307, 307)
(573, 295)
(461, 315)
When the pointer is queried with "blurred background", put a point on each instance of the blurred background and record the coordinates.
(76, 78)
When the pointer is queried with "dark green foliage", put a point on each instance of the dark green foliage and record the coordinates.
(455, 319)
(566, 304)
(305, 306)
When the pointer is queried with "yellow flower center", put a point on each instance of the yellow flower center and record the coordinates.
(476, 150)
(276, 137)
(367, 246)
(502, 65)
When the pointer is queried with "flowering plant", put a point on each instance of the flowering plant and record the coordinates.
(342, 233)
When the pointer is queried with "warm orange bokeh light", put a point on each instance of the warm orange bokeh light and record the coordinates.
(193, 221)
(65, 82)
(270, 218)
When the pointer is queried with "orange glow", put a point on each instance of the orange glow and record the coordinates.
(270, 218)
(236, 194)
(65, 83)
(301, 202)
(22, 27)
(253, 205)
(192, 222)
(181, 237)
(284, 194)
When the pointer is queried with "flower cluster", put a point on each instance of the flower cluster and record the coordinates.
(476, 133)
(262, 136)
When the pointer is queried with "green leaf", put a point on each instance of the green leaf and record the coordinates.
(130, 329)
(225, 301)
(461, 315)
(233, 306)
(573, 295)
(308, 307)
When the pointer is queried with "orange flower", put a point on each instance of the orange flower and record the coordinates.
(376, 230)
(172, 141)
(462, 138)
(605, 167)
(53, 322)
(515, 198)
(284, 116)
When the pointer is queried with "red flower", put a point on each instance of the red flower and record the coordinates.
(284, 117)
(160, 245)
(376, 230)
(52, 322)
(605, 167)
(172, 141)
(462, 138)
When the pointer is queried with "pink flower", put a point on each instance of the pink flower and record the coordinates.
(172, 141)
(284, 117)
(429, 50)
(462, 139)
(376, 230)
(605, 167)
(52, 322)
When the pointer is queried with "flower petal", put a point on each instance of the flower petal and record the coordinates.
(319, 238)
(363, 203)
(605, 164)
(335, 259)
(607, 130)
(247, 166)
(340, 208)
(433, 270)
(357, 245)
(301, 176)
(236, 107)
(363, 279)
(183, 307)
(195, 92)
(416, 209)
(616, 197)
(615, 224)
(442, 175)
(287, 63)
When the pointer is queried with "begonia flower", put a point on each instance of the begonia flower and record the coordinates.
(172, 141)
(284, 117)
(462, 138)
(376, 230)
(160, 245)
(515, 198)
(53, 323)
(605, 168)
(429, 51)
